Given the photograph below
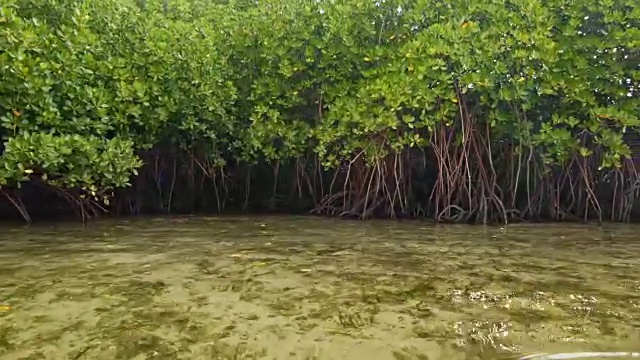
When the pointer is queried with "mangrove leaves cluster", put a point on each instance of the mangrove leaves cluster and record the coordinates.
(471, 110)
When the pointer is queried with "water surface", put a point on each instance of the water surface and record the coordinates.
(313, 288)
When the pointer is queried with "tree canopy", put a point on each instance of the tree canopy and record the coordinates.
(473, 109)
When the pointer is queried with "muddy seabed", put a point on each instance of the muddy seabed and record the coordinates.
(309, 288)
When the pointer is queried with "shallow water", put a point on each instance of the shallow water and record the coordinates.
(312, 288)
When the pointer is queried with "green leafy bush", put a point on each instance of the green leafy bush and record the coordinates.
(412, 108)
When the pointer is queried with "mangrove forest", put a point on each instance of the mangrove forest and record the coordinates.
(480, 111)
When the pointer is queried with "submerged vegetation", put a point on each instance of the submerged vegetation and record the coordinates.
(314, 289)
(483, 110)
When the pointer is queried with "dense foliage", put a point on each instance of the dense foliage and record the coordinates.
(482, 110)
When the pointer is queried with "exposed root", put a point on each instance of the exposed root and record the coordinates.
(17, 203)
(459, 217)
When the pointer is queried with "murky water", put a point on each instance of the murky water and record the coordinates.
(311, 288)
